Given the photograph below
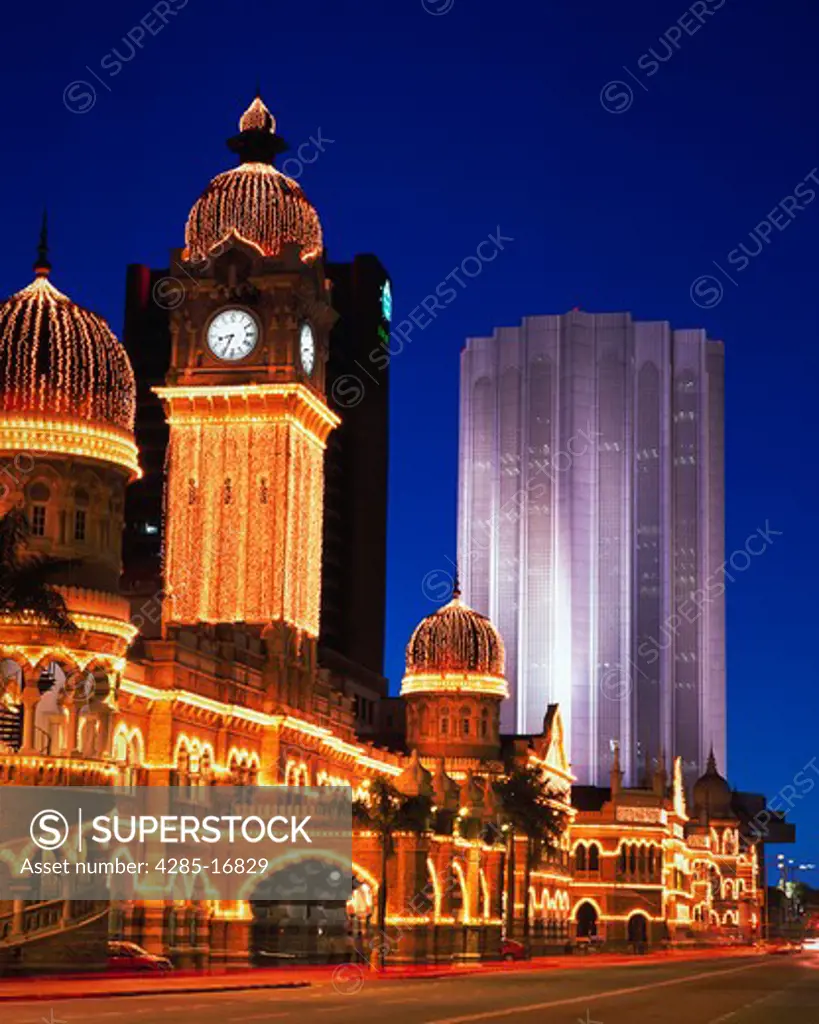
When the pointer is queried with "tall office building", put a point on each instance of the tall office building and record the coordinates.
(591, 531)
(354, 554)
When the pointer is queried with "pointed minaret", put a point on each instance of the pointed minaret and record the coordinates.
(660, 775)
(42, 266)
(616, 773)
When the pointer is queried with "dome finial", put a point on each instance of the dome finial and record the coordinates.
(42, 266)
(456, 585)
(257, 141)
(711, 767)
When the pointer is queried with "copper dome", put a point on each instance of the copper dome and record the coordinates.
(711, 793)
(254, 202)
(60, 361)
(455, 640)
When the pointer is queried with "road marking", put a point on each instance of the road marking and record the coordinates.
(587, 998)
(747, 1006)
(260, 1016)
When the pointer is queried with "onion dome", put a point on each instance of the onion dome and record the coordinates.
(455, 648)
(254, 202)
(66, 383)
(712, 794)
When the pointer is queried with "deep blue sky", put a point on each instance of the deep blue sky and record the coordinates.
(444, 128)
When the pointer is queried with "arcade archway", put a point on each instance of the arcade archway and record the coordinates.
(586, 920)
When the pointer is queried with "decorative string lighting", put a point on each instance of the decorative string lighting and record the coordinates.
(60, 360)
(257, 118)
(456, 642)
(245, 490)
(254, 202)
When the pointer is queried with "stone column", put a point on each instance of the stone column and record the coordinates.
(30, 699)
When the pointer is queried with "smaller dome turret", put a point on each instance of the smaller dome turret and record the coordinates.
(712, 794)
(454, 684)
(457, 644)
(66, 382)
(254, 203)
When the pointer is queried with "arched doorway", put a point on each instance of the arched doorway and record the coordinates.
(287, 924)
(638, 929)
(586, 921)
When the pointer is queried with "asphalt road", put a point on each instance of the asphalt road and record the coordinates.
(765, 990)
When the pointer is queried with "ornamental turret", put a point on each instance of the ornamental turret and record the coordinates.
(454, 684)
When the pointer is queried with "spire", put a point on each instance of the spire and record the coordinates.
(711, 767)
(257, 141)
(42, 266)
(660, 775)
(456, 585)
(616, 772)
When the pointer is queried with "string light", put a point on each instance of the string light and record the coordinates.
(257, 118)
(62, 361)
(256, 204)
(455, 640)
(245, 482)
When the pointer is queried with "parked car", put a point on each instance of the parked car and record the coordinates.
(128, 956)
(811, 944)
(782, 947)
(512, 950)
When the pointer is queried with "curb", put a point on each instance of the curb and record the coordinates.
(36, 997)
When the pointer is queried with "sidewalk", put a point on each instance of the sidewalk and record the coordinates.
(345, 977)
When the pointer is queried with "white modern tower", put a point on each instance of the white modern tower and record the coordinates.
(591, 531)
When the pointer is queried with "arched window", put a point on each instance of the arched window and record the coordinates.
(641, 860)
(594, 857)
(466, 721)
(580, 858)
(622, 864)
(632, 859)
(484, 723)
(651, 861)
(39, 495)
(423, 719)
(444, 722)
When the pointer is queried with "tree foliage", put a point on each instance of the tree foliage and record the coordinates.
(25, 587)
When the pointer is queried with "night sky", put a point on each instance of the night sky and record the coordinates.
(441, 123)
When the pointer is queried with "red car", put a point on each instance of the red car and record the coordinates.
(512, 950)
(128, 956)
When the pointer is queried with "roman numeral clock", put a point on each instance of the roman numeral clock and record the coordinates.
(245, 398)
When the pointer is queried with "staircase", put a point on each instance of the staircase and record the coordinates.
(54, 936)
(11, 726)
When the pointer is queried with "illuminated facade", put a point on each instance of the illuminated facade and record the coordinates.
(645, 872)
(591, 530)
(231, 692)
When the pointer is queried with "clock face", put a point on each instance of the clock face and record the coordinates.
(307, 348)
(386, 301)
(233, 334)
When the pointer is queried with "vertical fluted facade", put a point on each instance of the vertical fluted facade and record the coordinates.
(591, 531)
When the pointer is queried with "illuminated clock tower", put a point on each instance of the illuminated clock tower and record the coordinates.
(245, 400)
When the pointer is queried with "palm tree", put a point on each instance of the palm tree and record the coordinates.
(386, 812)
(24, 576)
(528, 809)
